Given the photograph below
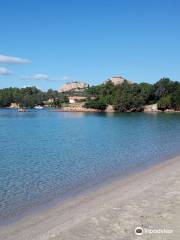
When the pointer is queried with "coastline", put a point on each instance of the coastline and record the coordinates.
(78, 108)
(112, 210)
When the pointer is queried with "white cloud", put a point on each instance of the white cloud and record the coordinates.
(44, 77)
(4, 71)
(13, 60)
(39, 77)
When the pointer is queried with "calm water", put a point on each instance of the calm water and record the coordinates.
(45, 155)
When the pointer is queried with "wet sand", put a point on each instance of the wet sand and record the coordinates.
(149, 199)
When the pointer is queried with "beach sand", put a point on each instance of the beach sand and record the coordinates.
(149, 199)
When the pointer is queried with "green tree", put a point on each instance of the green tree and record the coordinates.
(99, 104)
(176, 98)
(164, 87)
(147, 92)
(165, 103)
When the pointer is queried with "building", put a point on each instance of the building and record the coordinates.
(74, 99)
(117, 80)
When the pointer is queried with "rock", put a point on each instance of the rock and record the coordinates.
(109, 109)
(73, 86)
(77, 107)
(169, 110)
(117, 80)
(14, 105)
(151, 108)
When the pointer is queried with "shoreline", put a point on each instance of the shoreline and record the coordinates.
(92, 110)
(79, 211)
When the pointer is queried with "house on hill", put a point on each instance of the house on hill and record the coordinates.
(117, 80)
(75, 99)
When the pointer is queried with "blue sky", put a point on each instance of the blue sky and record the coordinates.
(88, 40)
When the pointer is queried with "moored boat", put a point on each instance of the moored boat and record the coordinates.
(22, 110)
(38, 107)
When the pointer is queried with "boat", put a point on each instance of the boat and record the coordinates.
(22, 110)
(38, 107)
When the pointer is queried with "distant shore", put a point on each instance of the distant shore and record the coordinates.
(148, 199)
(79, 108)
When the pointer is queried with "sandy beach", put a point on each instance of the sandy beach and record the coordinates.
(149, 199)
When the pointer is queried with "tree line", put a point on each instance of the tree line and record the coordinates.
(133, 96)
(124, 97)
(30, 97)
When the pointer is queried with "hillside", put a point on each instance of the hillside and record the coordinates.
(132, 97)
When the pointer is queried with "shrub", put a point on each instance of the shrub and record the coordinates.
(165, 103)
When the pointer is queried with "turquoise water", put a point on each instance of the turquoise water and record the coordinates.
(46, 155)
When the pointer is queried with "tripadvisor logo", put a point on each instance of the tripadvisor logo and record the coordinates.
(141, 231)
(138, 231)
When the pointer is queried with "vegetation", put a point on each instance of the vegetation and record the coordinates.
(165, 103)
(30, 97)
(96, 104)
(133, 97)
(124, 97)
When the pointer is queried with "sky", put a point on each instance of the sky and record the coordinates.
(46, 43)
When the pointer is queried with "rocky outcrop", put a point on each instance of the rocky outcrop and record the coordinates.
(14, 105)
(169, 110)
(73, 87)
(117, 80)
(76, 107)
(151, 108)
(109, 109)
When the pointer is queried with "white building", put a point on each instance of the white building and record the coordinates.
(74, 99)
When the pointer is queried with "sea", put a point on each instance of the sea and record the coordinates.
(47, 155)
